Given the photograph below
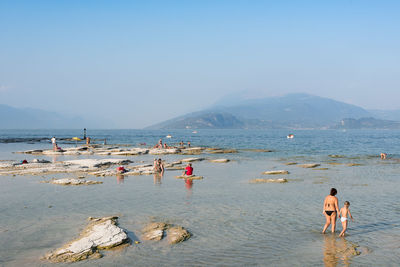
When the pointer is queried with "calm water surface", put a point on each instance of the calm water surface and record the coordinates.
(234, 223)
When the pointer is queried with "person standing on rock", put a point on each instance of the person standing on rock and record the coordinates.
(53, 141)
(331, 210)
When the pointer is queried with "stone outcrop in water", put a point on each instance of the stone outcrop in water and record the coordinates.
(310, 165)
(177, 234)
(192, 177)
(275, 172)
(192, 159)
(158, 230)
(262, 181)
(219, 160)
(100, 234)
(70, 166)
(72, 181)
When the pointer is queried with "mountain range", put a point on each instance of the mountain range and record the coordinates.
(29, 118)
(292, 111)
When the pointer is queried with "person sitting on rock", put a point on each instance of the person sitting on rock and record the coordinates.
(188, 170)
(383, 155)
(166, 146)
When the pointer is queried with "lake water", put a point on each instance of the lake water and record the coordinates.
(233, 222)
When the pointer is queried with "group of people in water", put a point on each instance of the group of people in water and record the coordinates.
(332, 212)
(166, 146)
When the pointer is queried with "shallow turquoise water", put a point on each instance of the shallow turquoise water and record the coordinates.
(234, 223)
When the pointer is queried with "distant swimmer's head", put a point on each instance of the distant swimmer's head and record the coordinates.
(346, 203)
(333, 191)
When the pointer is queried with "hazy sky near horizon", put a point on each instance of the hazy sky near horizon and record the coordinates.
(140, 62)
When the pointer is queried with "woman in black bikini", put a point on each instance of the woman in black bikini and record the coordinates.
(331, 210)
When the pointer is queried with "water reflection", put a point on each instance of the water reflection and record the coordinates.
(54, 158)
(120, 178)
(338, 251)
(189, 191)
(157, 177)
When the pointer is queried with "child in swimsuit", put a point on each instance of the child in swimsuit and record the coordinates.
(344, 219)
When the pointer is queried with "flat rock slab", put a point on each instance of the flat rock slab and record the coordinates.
(310, 165)
(192, 177)
(275, 172)
(100, 234)
(164, 151)
(262, 181)
(158, 230)
(257, 150)
(290, 163)
(192, 159)
(219, 160)
(72, 181)
(354, 164)
(97, 163)
(223, 151)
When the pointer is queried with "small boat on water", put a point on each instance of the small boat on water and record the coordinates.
(169, 136)
(194, 132)
(290, 136)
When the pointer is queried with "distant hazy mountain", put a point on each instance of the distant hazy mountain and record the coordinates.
(290, 111)
(393, 115)
(28, 118)
(367, 123)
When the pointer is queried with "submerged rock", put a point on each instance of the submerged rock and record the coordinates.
(223, 151)
(100, 234)
(261, 181)
(290, 163)
(354, 164)
(276, 172)
(310, 165)
(257, 150)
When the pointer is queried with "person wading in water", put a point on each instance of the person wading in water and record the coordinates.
(331, 210)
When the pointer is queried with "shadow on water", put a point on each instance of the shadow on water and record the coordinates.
(132, 236)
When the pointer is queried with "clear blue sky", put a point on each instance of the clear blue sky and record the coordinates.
(141, 62)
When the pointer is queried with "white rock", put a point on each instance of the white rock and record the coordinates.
(100, 234)
(192, 159)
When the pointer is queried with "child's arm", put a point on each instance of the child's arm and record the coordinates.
(350, 215)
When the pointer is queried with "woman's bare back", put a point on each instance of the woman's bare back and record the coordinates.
(330, 203)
